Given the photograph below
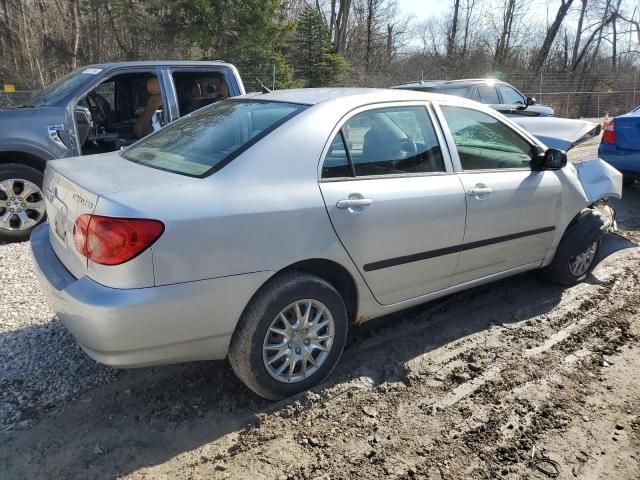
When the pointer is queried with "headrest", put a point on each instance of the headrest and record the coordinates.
(224, 89)
(196, 90)
(153, 86)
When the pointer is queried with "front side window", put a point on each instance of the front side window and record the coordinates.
(509, 95)
(488, 94)
(483, 142)
(205, 141)
(385, 141)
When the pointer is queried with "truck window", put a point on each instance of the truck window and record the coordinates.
(120, 110)
(198, 89)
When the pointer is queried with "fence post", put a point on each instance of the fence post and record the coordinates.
(273, 83)
(598, 105)
(567, 104)
(540, 90)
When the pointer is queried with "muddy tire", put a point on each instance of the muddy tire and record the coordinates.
(577, 252)
(28, 212)
(290, 336)
(627, 182)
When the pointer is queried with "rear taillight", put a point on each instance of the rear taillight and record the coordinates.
(112, 241)
(609, 133)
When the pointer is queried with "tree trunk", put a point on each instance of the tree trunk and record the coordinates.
(576, 42)
(453, 33)
(75, 21)
(550, 36)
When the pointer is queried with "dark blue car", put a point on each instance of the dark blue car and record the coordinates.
(620, 145)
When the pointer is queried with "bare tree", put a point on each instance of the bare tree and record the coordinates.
(550, 36)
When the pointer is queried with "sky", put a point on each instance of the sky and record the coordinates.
(421, 9)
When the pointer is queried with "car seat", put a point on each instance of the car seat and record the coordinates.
(142, 127)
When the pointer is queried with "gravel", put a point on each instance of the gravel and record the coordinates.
(41, 366)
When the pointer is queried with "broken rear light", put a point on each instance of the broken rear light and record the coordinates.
(112, 241)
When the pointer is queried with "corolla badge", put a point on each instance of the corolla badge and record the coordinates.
(82, 201)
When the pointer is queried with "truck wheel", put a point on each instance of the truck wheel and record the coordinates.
(577, 251)
(21, 201)
(627, 182)
(290, 336)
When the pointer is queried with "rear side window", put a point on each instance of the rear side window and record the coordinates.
(457, 91)
(483, 142)
(385, 141)
(208, 139)
(199, 89)
(488, 94)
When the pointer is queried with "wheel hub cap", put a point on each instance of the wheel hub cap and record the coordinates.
(579, 265)
(21, 204)
(298, 341)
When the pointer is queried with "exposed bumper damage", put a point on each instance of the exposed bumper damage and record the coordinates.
(599, 180)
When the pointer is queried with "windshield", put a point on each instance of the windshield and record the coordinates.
(206, 140)
(60, 89)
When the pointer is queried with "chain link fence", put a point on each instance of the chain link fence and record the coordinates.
(570, 95)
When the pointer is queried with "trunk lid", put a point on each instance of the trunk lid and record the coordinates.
(65, 202)
(73, 187)
(627, 128)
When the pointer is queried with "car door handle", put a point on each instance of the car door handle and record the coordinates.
(354, 203)
(479, 191)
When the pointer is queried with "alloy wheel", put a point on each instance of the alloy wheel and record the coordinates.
(21, 204)
(298, 341)
(580, 264)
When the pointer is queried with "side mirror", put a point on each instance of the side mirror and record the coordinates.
(549, 159)
(554, 159)
(531, 101)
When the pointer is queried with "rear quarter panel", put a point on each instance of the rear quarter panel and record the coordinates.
(262, 212)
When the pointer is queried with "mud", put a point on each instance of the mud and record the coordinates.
(505, 381)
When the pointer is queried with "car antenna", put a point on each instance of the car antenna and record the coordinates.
(264, 88)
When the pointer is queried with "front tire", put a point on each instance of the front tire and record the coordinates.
(21, 201)
(577, 252)
(290, 336)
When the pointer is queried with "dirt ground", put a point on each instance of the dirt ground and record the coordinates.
(505, 381)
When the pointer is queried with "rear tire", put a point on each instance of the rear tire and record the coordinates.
(262, 335)
(16, 176)
(627, 182)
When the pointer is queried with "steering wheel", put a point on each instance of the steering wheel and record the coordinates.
(408, 146)
(98, 114)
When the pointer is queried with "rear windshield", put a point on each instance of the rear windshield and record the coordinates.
(206, 140)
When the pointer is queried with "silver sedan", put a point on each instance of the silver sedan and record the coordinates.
(262, 227)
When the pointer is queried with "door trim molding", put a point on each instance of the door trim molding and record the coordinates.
(416, 257)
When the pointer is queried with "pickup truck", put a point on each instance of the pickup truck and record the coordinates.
(95, 109)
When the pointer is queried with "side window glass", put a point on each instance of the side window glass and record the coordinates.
(509, 95)
(488, 94)
(336, 163)
(199, 89)
(484, 142)
(107, 90)
(393, 140)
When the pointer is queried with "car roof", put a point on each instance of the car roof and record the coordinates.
(161, 63)
(451, 83)
(362, 96)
